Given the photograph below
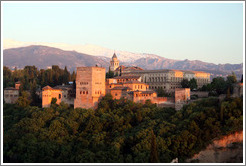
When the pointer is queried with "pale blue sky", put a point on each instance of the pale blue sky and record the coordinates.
(211, 32)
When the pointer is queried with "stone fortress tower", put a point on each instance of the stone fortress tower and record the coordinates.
(114, 63)
(90, 86)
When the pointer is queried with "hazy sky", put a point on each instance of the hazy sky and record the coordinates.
(211, 32)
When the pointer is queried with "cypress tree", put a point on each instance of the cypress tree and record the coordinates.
(153, 151)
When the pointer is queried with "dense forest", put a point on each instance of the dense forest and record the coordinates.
(117, 131)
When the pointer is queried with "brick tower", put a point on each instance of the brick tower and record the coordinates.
(90, 86)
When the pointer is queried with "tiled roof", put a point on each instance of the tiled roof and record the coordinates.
(121, 88)
(143, 92)
(133, 68)
(133, 82)
(63, 87)
(125, 77)
(47, 88)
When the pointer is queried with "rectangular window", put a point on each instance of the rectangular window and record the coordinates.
(59, 96)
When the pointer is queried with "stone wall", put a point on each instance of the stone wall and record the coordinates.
(90, 86)
(199, 93)
(47, 96)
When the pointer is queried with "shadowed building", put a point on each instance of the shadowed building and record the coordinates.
(11, 94)
(63, 93)
(90, 86)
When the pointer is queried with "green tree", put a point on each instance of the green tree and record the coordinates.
(53, 100)
(73, 76)
(24, 100)
(109, 74)
(219, 85)
(162, 93)
(231, 79)
(66, 76)
(192, 84)
(185, 83)
(153, 152)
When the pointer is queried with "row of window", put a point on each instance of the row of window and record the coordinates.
(98, 92)
(11, 95)
(84, 92)
(157, 79)
(115, 64)
(177, 79)
(138, 87)
(98, 83)
(157, 74)
(50, 96)
(83, 83)
(143, 95)
(130, 79)
(155, 87)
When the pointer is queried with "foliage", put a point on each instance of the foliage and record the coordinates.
(33, 79)
(162, 93)
(192, 84)
(117, 131)
(185, 83)
(220, 86)
(109, 74)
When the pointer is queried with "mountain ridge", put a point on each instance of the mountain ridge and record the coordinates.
(45, 56)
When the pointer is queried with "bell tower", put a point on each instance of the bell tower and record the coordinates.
(114, 63)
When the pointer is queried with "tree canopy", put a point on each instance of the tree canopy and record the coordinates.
(117, 131)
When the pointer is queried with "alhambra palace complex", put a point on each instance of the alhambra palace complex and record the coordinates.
(132, 83)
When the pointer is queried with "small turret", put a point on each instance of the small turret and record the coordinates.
(114, 63)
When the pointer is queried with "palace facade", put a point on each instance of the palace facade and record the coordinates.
(133, 83)
(168, 79)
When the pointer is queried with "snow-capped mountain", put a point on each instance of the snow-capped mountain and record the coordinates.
(89, 49)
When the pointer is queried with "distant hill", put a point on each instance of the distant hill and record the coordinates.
(44, 56)
(215, 70)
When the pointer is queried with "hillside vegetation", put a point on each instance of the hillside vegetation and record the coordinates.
(117, 131)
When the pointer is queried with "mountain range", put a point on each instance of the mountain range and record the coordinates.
(45, 56)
